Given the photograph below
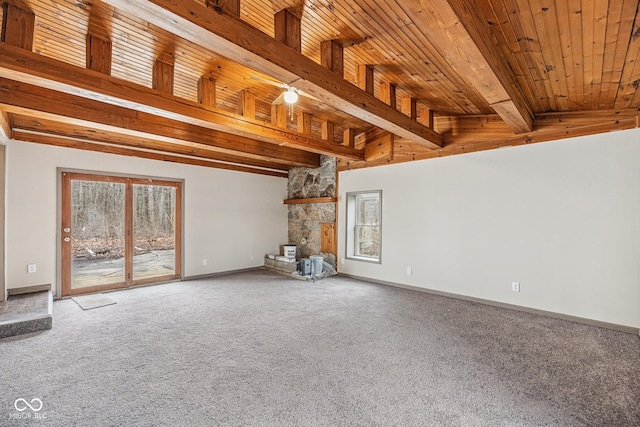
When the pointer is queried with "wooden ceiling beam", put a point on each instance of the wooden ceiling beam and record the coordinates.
(287, 29)
(207, 91)
(364, 78)
(468, 134)
(247, 104)
(380, 145)
(18, 26)
(349, 137)
(468, 45)
(327, 129)
(228, 36)
(28, 67)
(185, 148)
(304, 122)
(162, 77)
(5, 128)
(332, 56)
(98, 54)
(25, 99)
(59, 141)
(388, 94)
(409, 106)
(231, 6)
(279, 115)
(426, 117)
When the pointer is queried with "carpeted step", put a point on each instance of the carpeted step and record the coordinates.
(26, 313)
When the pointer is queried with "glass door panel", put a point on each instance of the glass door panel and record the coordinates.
(97, 234)
(154, 236)
(118, 232)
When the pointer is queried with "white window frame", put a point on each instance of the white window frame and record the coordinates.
(352, 243)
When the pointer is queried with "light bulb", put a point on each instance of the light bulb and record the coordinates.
(291, 96)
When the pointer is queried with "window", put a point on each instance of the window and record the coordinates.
(364, 232)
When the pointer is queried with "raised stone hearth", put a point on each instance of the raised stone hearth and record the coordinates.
(280, 266)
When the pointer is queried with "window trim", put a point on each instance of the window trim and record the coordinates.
(350, 232)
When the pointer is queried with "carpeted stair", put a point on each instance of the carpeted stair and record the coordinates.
(26, 313)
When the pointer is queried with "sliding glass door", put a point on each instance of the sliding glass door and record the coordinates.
(154, 237)
(118, 232)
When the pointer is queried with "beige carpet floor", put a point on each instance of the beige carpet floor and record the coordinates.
(259, 349)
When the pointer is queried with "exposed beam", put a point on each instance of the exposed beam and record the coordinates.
(478, 133)
(409, 106)
(426, 117)
(349, 137)
(231, 6)
(98, 54)
(288, 29)
(360, 141)
(304, 123)
(327, 131)
(207, 91)
(247, 104)
(388, 94)
(364, 78)
(332, 56)
(279, 115)
(5, 128)
(185, 148)
(467, 44)
(240, 42)
(162, 77)
(380, 146)
(110, 149)
(24, 99)
(18, 26)
(21, 65)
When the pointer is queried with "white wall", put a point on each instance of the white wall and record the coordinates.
(228, 216)
(562, 218)
(3, 290)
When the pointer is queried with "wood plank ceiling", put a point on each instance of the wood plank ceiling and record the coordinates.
(391, 80)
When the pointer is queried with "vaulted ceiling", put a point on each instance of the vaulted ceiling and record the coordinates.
(388, 81)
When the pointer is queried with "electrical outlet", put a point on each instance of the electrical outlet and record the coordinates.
(343, 261)
(515, 286)
(251, 257)
(409, 271)
(205, 261)
(31, 268)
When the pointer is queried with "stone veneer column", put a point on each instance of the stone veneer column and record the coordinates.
(305, 219)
